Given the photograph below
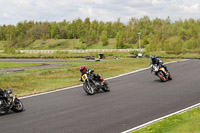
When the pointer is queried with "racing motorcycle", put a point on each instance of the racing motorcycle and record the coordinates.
(92, 85)
(161, 73)
(8, 101)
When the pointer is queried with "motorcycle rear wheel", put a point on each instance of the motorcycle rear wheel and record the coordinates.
(106, 88)
(170, 77)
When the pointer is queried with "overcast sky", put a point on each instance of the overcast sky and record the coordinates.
(13, 11)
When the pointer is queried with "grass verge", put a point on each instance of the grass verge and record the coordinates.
(14, 65)
(185, 55)
(187, 122)
(42, 80)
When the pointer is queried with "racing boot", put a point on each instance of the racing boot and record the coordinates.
(9, 101)
(102, 81)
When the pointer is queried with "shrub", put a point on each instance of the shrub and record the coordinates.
(10, 51)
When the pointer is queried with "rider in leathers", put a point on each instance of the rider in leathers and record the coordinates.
(5, 95)
(83, 70)
(158, 61)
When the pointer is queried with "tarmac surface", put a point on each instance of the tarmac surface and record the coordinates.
(134, 99)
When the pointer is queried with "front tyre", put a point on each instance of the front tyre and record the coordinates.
(18, 106)
(89, 89)
(161, 76)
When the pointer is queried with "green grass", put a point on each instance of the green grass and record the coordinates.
(14, 65)
(41, 80)
(111, 45)
(187, 122)
(164, 54)
(65, 44)
(2, 43)
(58, 44)
(61, 44)
(66, 54)
(2, 71)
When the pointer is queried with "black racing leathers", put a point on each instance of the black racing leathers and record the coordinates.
(4, 95)
(159, 62)
(96, 76)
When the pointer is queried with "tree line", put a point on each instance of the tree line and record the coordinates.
(156, 35)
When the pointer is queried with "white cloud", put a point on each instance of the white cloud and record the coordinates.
(13, 11)
(191, 9)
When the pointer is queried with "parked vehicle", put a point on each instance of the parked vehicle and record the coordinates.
(92, 85)
(161, 73)
(8, 101)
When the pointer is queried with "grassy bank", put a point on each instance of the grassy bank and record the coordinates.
(41, 80)
(60, 44)
(65, 54)
(188, 122)
(61, 54)
(186, 55)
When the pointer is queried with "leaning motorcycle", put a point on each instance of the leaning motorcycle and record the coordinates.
(91, 85)
(161, 73)
(14, 103)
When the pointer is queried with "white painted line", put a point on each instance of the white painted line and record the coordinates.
(50, 92)
(81, 84)
(140, 70)
(128, 73)
(156, 120)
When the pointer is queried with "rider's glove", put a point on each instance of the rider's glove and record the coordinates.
(151, 68)
(80, 79)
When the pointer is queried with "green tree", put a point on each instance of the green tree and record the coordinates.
(174, 45)
(104, 38)
(120, 42)
(55, 31)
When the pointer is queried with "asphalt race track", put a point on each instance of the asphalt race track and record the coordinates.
(134, 99)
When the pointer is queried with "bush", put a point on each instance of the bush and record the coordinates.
(62, 52)
(134, 52)
(174, 45)
(80, 46)
(10, 51)
(126, 46)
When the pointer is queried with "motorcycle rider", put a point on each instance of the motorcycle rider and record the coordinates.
(158, 61)
(83, 71)
(4, 95)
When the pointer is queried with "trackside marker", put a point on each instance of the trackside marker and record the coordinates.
(156, 120)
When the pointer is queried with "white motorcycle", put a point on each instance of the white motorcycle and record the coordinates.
(161, 73)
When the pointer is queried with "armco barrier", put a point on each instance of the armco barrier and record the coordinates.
(79, 51)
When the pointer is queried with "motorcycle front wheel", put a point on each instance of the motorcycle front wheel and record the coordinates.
(89, 89)
(18, 106)
(161, 76)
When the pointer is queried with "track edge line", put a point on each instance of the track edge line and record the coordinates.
(161, 118)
